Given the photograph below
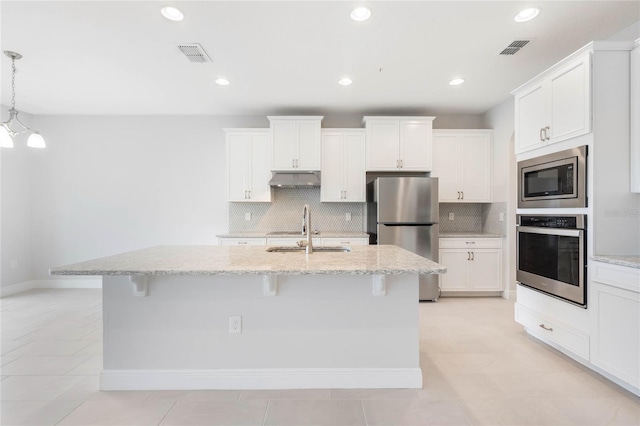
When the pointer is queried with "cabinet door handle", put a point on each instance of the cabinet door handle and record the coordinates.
(473, 256)
(545, 327)
(462, 192)
(245, 195)
(401, 163)
(546, 134)
(249, 194)
(541, 136)
(458, 195)
(468, 255)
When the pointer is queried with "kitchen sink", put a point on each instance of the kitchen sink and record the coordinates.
(292, 249)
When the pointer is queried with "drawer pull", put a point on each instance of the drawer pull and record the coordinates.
(242, 242)
(546, 328)
(470, 242)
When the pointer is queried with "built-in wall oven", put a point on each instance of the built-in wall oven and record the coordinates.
(551, 253)
(554, 180)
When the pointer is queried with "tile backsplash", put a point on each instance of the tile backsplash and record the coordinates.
(473, 217)
(285, 213)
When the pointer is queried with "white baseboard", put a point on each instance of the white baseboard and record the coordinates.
(285, 378)
(508, 294)
(89, 282)
(8, 290)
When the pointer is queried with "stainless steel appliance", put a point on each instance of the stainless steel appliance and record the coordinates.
(551, 255)
(403, 211)
(554, 180)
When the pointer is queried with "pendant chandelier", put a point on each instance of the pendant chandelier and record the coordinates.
(13, 127)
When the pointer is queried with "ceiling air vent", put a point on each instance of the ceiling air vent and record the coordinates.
(194, 52)
(513, 48)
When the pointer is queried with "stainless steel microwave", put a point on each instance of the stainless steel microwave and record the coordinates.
(554, 180)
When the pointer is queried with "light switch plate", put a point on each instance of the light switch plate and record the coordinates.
(247, 216)
(347, 216)
(451, 216)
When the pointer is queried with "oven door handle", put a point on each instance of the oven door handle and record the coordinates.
(550, 231)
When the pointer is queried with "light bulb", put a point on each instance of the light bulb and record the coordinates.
(172, 13)
(6, 141)
(222, 81)
(456, 81)
(345, 81)
(36, 141)
(527, 15)
(360, 14)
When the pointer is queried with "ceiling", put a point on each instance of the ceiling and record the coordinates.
(121, 57)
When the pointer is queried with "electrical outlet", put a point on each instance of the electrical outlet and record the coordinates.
(247, 216)
(14, 264)
(501, 217)
(347, 216)
(235, 324)
(452, 216)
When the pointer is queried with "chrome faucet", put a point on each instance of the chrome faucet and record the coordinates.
(306, 230)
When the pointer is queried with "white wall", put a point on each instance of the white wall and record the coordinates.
(15, 209)
(501, 119)
(112, 184)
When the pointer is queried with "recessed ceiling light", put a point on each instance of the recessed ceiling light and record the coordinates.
(527, 15)
(360, 14)
(172, 13)
(456, 81)
(222, 82)
(345, 81)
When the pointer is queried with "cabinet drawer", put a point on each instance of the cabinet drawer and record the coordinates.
(345, 241)
(470, 243)
(549, 329)
(242, 241)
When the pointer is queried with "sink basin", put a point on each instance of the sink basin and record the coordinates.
(289, 249)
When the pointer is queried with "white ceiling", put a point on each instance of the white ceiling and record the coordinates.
(121, 57)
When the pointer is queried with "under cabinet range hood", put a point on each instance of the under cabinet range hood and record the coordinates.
(295, 179)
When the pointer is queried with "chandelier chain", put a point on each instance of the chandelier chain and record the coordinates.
(13, 83)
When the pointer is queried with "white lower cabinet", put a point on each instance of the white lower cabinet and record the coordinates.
(242, 241)
(473, 264)
(554, 330)
(615, 302)
(333, 241)
(290, 241)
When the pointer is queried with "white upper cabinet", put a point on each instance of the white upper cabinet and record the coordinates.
(248, 165)
(343, 173)
(462, 164)
(554, 107)
(295, 143)
(398, 143)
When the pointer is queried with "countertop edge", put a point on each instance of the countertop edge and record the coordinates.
(628, 261)
(432, 271)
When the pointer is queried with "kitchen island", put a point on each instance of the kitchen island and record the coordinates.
(218, 317)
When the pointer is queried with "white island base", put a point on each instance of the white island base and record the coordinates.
(309, 331)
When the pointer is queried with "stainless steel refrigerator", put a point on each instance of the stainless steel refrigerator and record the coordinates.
(403, 211)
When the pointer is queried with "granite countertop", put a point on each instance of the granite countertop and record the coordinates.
(262, 234)
(469, 235)
(254, 260)
(630, 261)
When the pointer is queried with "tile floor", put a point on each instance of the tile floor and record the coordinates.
(479, 368)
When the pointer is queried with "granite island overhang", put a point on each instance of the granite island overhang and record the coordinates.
(324, 320)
